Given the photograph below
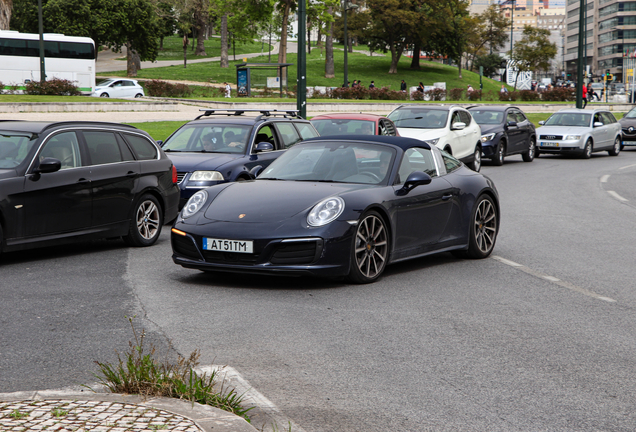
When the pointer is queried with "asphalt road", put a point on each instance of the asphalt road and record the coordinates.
(538, 337)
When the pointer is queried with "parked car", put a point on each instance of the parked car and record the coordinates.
(506, 131)
(64, 181)
(580, 132)
(628, 126)
(340, 206)
(119, 88)
(353, 124)
(450, 128)
(222, 146)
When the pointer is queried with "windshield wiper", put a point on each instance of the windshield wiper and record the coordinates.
(171, 150)
(270, 178)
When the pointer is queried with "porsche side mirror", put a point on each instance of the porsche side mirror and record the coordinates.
(48, 165)
(417, 178)
(263, 147)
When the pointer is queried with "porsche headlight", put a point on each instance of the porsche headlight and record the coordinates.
(572, 137)
(432, 141)
(194, 204)
(326, 211)
(206, 176)
(487, 137)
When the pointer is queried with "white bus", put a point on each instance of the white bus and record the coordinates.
(66, 57)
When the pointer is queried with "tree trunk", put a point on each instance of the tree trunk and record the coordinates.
(396, 53)
(5, 13)
(224, 46)
(308, 40)
(459, 66)
(415, 61)
(282, 50)
(131, 67)
(161, 43)
(329, 66)
(185, 50)
(137, 60)
(201, 20)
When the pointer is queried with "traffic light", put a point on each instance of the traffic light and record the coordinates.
(610, 77)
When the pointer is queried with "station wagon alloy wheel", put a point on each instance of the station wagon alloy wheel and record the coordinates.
(370, 249)
(146, 223)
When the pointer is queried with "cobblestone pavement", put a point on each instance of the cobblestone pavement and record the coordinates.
(80, 416)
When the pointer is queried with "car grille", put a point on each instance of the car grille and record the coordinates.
(304, 252)
(185, 246)
(551, 137)
(629, 130)
(180, 176)
(229, 257)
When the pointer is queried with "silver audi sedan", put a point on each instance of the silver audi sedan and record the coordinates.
(579, 132)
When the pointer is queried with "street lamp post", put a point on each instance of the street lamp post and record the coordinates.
(346, 6)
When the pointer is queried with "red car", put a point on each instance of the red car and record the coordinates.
(353, 124)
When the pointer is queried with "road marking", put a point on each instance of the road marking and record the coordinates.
(276, 420)
(617, 196)
(628, 166)
(605, 178)
(553, 279)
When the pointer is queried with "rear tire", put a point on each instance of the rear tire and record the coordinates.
(616, 149)
(532, 151)
(369, 249)
(484, 228)
(145, 222)
(138, 95)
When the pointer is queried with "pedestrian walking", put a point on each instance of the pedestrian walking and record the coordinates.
(420, 87)
(584, 89)
(503, 89)
(228, 90)
(403, 86)
(372, 85)
(355, 83)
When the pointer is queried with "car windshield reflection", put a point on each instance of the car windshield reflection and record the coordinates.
(569, 119)
(209, 139)
(419, 118)
(333, 162)
(487, 117)
(330, 127)
(14, 148)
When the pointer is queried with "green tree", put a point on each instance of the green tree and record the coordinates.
(489, 32)
(450, 34)
(490, 63)
(24, 16)
(534, 51)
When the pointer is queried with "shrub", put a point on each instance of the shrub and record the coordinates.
(529, 95)
(159, 88)
(417, 95)
(559, 94)
(436, 94)
(52, 87)
(474, 95)
(456, 94)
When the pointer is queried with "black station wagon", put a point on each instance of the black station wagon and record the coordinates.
(67, 181)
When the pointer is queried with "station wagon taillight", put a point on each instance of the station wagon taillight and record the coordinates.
(174, 175)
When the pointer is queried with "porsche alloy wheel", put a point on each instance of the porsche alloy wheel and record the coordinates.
(483, 232)
(145, 225)
(370, 249)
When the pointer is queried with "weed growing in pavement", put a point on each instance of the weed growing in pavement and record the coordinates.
(16, 414)
(57, 413)
(140, 373)
(158, 427)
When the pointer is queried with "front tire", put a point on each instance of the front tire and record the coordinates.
(475, 165)
(104, 95)
(498, 158)
(617, 148)
(370, 249)
(138, 95)
(145, 223)
(532, 152)
(587, 150)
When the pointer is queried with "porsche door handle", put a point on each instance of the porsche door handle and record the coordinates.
(83, 181)
(446, 197)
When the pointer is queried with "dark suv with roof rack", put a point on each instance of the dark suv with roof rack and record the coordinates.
(226, 145)
(63, 181)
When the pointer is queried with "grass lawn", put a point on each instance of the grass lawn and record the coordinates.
(173, 48)
(360, 67)
(37, 98)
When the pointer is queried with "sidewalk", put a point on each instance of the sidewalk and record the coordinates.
(83, 411)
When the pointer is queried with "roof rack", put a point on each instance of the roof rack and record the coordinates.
(238, 112)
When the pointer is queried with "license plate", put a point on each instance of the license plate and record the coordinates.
(549, 144)
(225, 245)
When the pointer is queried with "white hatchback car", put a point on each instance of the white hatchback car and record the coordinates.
(450, 128)
(119, 88)
(580, 132)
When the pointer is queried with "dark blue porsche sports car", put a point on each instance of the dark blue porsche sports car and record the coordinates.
(340, 206)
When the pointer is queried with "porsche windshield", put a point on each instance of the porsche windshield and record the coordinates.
(206, 138)
(333, 162)
(419, 118)
(569, 119)
(329, 127)
(14, 148)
